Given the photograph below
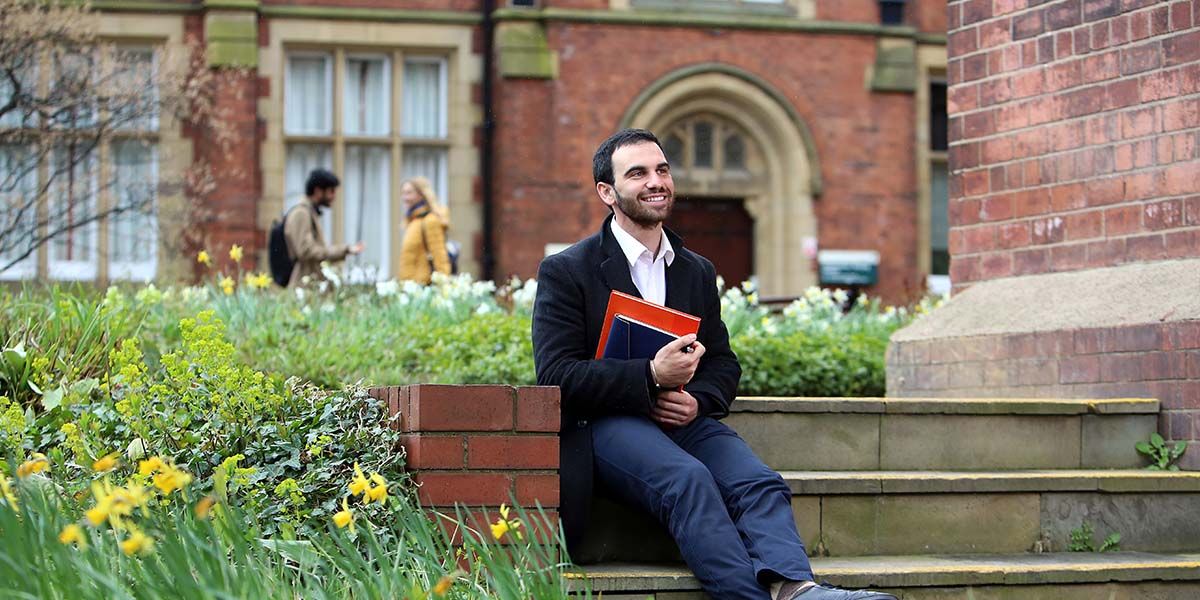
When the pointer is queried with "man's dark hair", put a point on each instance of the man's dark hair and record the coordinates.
(602, 169)
(320, 179)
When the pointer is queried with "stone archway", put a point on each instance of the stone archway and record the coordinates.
(781, 178)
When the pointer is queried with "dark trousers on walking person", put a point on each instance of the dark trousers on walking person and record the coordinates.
(729, 513)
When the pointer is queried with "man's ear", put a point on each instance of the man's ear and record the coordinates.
(606, 193)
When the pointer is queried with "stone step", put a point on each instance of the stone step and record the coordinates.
(1048, 576)
(945, 433)
(861, 513)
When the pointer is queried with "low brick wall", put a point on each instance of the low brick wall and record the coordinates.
(479, 446)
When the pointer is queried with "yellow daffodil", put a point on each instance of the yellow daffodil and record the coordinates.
(203, 258)
(443, 585)
(235, 253)
(107, 463)
(258, 281)
(504, 525)
(344, 517)
(205, 506)
(97, 515)
(227, 285)
(73, 534)
(7, 493)
(137, 543)
(171, 479)
(379, 491)
(359, 484)
(499, 528)
(37, 464)
(150, 465)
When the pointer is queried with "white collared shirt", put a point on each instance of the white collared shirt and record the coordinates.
(649, 273)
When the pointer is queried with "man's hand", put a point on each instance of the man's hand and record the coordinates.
(672, 366)
(357, 248)
(675, 409)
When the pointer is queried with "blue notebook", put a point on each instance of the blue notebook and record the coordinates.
(630, 338)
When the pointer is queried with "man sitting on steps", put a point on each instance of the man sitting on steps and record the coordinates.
(649, 444)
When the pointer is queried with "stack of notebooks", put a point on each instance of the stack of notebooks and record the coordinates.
(635, 328)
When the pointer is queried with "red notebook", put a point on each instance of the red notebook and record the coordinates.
(667, 319)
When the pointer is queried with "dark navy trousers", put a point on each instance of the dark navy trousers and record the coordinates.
(729, 513)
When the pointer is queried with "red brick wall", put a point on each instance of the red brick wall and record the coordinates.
(439, 5)
(547, 131)
(479, 446)
(1075, 134)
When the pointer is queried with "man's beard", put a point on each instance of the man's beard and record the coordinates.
(641, 214)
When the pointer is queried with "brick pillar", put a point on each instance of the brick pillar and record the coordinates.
(1074, 209)
(479, 446)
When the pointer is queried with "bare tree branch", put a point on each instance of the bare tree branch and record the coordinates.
(65, 94)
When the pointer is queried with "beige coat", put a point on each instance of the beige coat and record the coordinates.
(424, 243)
(306, 245)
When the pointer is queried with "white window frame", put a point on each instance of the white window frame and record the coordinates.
(387, 87)
(26, 268)
(443, 94)
(75, 270)
(384, 270)
(144, 270)
(287, 67)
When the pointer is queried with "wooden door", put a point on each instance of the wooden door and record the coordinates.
(719, 229)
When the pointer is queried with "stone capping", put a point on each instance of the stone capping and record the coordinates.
(966, 482)
(947, 406)
(933, 570)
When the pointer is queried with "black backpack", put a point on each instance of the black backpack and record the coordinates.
(278, 257)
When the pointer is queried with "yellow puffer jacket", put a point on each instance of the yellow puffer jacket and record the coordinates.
(423, 248)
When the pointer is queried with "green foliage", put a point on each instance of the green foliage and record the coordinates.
(401, 554)
(1082, 540)
(1161, 454)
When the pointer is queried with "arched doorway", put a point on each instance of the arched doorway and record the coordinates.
(737, 143)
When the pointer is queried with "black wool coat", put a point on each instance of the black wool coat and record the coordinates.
(572, 296)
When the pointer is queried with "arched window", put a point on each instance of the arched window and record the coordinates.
(709, 147)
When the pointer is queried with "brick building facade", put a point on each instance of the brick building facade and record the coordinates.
(1075, 214)
(793, 125)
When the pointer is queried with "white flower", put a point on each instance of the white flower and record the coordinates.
(300, 293)
(328, 307)
(149, 295)
(136, 449)
(387, 288)
(331, 275)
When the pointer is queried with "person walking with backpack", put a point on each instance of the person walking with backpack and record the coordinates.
(304, 244)
(423, 250)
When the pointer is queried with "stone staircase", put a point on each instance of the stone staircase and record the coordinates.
(948, 499)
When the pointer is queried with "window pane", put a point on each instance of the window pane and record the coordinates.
(703, 144)
(365, 206)
(133, 228)
(71, 89)
(937, 116)
(18, 203)
(301, 160)
(307, 98)
(939, 220)
(366, 106)
(135, 98)
(673, 148)
(21, 114)
(735, 152)
(424, 105)
(429, 163)
(72, 215)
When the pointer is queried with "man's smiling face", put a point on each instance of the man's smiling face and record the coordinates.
(642, 189)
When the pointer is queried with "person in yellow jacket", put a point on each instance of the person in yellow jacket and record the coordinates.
(423, 249)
